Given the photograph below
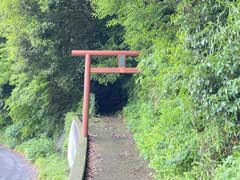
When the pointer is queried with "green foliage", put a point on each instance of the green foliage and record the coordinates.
(36, 39)
(185, 108)
(13, 134)
(143, 21)
(5, 88)
(39, 80)
(36, 148)
(54, 167)
(5, 64)
(35, 97)
(50, 164)
(4, 119)
(2, 137)
(169, 147)
(229, 170)
(92, 106)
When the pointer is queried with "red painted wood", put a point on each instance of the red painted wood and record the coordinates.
(104, 53)
(89, 70)
(121, 70)
(86, 95)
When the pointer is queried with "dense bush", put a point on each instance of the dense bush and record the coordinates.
(36, 39)
(185, 106)
(39, 79)
(54, 167)
(13, 134)
(36, 148)
(229, 170)
(185, 111)
(51, 165)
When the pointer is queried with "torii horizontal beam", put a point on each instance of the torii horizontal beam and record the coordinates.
(104, 53)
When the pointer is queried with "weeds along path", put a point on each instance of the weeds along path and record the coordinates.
(112, 152)
(14, 167)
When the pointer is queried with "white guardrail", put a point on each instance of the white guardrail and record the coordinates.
(77, 151)
(73, 143)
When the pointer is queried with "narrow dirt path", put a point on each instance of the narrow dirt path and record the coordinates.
(113, 154)
(14, 167)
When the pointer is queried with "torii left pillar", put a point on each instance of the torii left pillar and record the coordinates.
(88, 70)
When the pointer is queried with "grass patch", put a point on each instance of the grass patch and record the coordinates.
(2, 137)
(52, 167)
(51, 163)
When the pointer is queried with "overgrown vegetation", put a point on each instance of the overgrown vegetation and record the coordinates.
(185, 111)
(39, 80)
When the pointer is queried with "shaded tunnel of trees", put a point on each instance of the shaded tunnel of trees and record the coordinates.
(112, 97)
(184, 107)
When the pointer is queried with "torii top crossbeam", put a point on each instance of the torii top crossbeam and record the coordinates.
(104, 53)
(88, 70)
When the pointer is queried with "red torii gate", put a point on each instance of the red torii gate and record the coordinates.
(88, 70)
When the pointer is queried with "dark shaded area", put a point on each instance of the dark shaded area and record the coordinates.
(5, 90)
(111, 98)
(2, 40)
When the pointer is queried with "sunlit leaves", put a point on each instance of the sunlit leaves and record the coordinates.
(190, 52)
